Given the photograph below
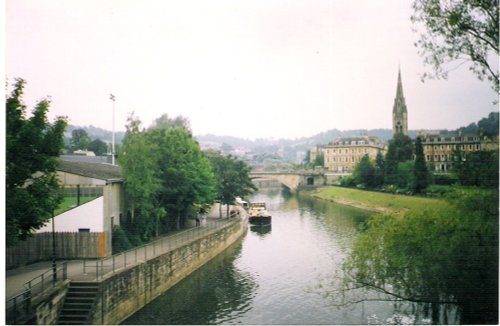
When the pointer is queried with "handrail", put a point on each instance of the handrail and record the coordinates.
(18, 306)
(152, 249)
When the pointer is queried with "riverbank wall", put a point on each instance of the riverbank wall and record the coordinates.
(123, 294)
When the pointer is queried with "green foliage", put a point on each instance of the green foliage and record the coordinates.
(33, 146)
(379, 170)
(364, 173)
(120, 240)
(320, 159)
(477, 168)
(436, 256)
(348, 181)
(400, 150)
(421, 176)
(490, 124)
(459, 31)
(98, 147)
(79, 140)
(232, 177)
(165, 174)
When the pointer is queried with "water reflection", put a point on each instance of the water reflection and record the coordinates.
(273, 275)
(261, 230)
(216, 293)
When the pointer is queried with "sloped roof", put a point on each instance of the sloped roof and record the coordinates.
(99, 171)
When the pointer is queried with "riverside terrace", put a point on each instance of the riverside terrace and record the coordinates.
(34, 297)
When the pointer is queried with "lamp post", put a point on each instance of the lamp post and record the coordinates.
(112, 98)
(54, 265)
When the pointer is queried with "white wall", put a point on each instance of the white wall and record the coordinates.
(86, 216)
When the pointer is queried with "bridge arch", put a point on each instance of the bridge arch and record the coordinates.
(292, 180)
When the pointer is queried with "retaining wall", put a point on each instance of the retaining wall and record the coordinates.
(123, 294)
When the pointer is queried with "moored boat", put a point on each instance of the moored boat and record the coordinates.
(258, 215)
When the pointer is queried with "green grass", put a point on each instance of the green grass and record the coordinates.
(378, 201)
(70, 202)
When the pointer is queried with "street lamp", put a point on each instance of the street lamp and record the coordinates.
(112, 98)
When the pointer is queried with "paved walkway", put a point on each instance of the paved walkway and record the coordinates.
(18, 277)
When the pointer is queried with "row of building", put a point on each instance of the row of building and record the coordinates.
(342, 155)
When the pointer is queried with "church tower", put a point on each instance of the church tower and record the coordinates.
(399, 113)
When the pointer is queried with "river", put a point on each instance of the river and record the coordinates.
(276, 274)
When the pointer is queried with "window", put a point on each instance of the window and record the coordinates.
(427, 158)
(470, 147)
(352, 159)
(477, 147)
(443, 158)
(84, 230)
(366, 150)
(435, 158)
(435, 147)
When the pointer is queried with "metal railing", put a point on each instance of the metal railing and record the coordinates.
(18, 307)
(117, 262)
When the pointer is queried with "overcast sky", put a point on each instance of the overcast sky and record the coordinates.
(269, 68)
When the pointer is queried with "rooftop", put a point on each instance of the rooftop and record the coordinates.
(101, 171)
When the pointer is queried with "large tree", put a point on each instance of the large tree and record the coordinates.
(232, 177)
(420, 172)
(459, 31)
(165, 173)
(98, 147)
(33, 146)
(433, 257)
(400, 150)
(79, 139)
(364, 172)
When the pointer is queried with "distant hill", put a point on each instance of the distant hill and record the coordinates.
(96, 133)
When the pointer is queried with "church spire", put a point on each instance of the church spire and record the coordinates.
(399, 112)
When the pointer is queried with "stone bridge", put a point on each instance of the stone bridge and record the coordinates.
(293, 180)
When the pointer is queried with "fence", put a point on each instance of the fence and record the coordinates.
(39, 247)
(83, 191)
(120, 261)
(18, 307)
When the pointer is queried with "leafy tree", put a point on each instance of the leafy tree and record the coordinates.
(139, 162)
(320, 159)
(490, 124)
(232, 178)
(400, 150)
(165, 122)
(436, 257)
(185, 173)
(459, 31)
(379, 169)
(33, 147)
(420, 172)
(79, 139)
(98, 147)
(364, 172)
(477, 168)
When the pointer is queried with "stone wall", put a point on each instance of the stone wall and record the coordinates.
(46, 307)
(124, 294)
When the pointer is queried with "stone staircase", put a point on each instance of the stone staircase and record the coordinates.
(79, 303)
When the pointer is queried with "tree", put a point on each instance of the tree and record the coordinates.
(436, 257)
(165, 174)
(364, 172)
(79, 139)
(33, 147)
(420, 172)
(477, 168)
(320, 159)
(98, 147)
(379, 169)
(400, 150)
(463, 31)
(232, 178)
(490, 124)
(186, 175)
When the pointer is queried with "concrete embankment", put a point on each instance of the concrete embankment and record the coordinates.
(124, 293)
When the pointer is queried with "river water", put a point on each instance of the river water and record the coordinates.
(276, 274)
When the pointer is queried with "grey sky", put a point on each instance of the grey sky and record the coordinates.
(244, 68)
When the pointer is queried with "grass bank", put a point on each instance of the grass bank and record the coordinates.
(378, 201)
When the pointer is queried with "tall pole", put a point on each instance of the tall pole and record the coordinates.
(112, 98)
(54, 265)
